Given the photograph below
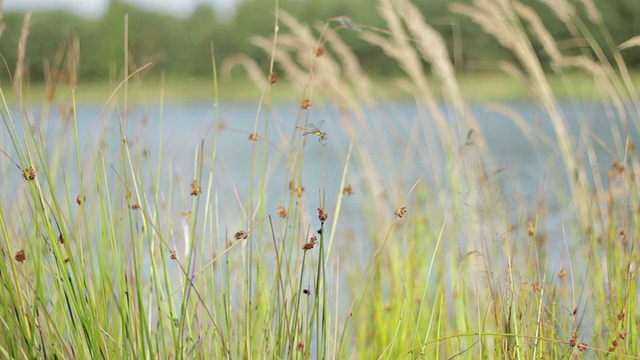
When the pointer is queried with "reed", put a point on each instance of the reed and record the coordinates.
(394, 237)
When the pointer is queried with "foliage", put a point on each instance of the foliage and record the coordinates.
(113, 247)
(182, 46)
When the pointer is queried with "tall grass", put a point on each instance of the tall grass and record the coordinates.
(113, 250)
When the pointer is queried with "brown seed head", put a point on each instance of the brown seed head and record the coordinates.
(322, 215)
(300, 347)
(562, 273)
(174, 254)
(20, 256)
(401, 211)
(532, 228)
(195, 188)
(309, 245)
(273, 78)
(574, 339)
(573, 342)
(81, 199)
(282, 212)
(617, 166)
(582, 346)
(347, 190)
(254, 137)
(306, 104)
(319, 51)
(29, 174)
(241, 235)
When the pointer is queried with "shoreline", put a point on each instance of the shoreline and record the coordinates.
(474, 87)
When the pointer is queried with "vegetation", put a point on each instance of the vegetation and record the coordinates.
(114, 248)
(181, 46)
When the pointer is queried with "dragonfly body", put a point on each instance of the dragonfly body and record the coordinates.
(311, 129)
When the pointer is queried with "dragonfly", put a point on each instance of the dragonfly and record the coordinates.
(315, 130)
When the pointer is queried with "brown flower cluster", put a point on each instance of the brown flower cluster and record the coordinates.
(322, 215)
(241, 235)
(401, 211)
(310, 244)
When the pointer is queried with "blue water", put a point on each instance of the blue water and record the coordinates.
(393, 133)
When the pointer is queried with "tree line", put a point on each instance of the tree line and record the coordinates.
(181, 46)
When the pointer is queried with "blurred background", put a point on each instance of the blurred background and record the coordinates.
(176, 35)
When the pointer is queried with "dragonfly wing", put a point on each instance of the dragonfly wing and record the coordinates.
(323, 140)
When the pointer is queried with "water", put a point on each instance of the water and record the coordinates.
(392, 134)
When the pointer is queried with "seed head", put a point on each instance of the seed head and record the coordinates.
(20, 256)
(401, 211)
(241, 235)
(282, 212)
(29, 174)
(309, 245)
(195, 188)
(322, 215)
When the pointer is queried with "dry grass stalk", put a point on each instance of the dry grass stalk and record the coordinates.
(350, 66)
(633, 42)
(511, 35)
(73, 61)
(297, 55)
(400, 48)
(250, 66)
(20, 70)
(562, 9)
(434, 50)
(592, 11)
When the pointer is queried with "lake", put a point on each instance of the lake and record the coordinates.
(397, 137)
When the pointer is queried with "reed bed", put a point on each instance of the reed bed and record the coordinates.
(391, 238)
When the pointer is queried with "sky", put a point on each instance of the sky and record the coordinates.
(95, 8)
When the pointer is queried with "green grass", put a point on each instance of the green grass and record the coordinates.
(94, 262)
